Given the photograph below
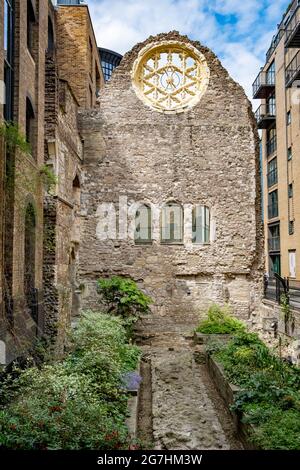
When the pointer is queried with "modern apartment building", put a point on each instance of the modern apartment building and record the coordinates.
(278, 116)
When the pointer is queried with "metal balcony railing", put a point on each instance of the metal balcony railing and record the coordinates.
(273, 210)
(292, 32)
(292, 72)
(265, 115)
(275, 41)
(264, 84)
(271, 146)
(272, 177)
(274, 244)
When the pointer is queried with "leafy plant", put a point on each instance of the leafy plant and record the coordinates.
(220, 321)
(78, 403)
(269, 395)
(287, 311)
(14, 138)
(49, 179)
(123, 298)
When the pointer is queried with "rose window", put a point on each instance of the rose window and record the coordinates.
(170, 76)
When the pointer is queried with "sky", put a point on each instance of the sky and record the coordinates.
(238, 31)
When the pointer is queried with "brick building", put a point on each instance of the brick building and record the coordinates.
(39, 241)
(167, 154)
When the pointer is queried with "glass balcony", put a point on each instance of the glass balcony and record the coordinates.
(264, 84)
(271, 146)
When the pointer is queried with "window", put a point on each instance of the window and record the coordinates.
(172, 223)
(201, 224)
(50, 36)
(292, 263)
(273, 204)
(290, 190)
(271, 105)
(271, 74)
(272, 172)
(289, 153)
(288, 118)
(30, 26)
(274, 237)
(275, 265)
(271, 141)
(291, 227)
(29, 259)
(8, 58)
(29, 121)
(143, 225)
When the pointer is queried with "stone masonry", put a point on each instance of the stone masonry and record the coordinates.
(207, 155)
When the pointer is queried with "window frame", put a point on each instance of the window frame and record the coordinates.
(139, 240)
(170, 240)
(205, 227)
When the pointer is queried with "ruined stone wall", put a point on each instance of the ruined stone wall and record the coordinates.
(60, 246)
(207, 155)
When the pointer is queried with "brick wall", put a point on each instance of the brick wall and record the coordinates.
(77, 64)
(208, 155)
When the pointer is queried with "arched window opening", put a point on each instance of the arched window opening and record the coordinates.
(50, 35)
(29, 260)
(76, 192)
(29, 121)
(201, 224)
(143, 225)
(30, 26)
(172, 223)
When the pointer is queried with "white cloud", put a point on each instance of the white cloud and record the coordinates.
(238, 31)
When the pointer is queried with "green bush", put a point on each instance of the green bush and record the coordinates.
(269, 396)
(79, 403)
(220, 321)
(123, 298)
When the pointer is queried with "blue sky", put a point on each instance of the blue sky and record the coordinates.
(238, 31)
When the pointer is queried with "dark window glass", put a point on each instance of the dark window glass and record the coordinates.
(50, 36)
(8, 58)
(30, 26)
(290, 190)
(29, 121)
(273, 204)
(272, 172)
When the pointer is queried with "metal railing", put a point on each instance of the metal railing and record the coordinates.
(274, 244)
(273, 210)
(271, 145)
(292, 70)
(275, 41)
(294, 22)
(275, 286)
(264, 79)
(265, 111)
(272, 177)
